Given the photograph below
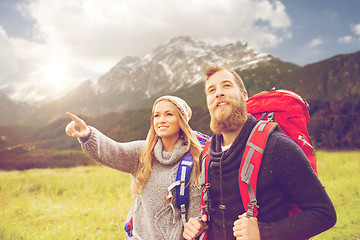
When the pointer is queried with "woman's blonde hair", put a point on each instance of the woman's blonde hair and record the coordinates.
(147, 152)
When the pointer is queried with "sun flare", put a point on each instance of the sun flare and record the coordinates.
(54, 74)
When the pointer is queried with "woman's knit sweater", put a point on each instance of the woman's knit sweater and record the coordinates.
(285, 176)
(153, 218)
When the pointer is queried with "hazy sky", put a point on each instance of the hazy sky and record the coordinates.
(48, 46)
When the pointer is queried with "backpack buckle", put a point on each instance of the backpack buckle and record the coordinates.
(183, 208)
(169, 197)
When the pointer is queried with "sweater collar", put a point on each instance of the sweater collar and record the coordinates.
(169, 158)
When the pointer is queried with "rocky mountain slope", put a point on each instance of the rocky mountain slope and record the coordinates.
(174, 67)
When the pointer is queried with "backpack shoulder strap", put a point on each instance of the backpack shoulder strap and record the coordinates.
(203, 178)
(182, 191)
(204, 185)
(250, 164)
(205, 143)
(181, 186)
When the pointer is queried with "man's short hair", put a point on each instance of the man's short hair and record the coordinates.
(211, 70)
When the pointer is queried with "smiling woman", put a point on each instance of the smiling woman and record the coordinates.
(153, 164)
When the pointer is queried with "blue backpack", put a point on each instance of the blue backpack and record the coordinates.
(181, 185)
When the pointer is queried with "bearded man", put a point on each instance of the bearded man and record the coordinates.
(285, 175)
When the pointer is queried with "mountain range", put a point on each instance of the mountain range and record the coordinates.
(119, 102)
(177, 67)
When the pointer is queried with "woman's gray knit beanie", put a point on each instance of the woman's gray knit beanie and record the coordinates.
(179, 103)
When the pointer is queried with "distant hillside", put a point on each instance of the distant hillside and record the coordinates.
(12, 113)
(334, 125)
(14, 135)
(50, 147)
(333, 79)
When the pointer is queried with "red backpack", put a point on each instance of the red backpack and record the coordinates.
(282, 108)
(291, 112)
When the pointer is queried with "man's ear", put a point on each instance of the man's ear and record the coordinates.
(245, 95)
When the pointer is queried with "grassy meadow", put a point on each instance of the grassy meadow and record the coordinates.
(92, 202)
(75, 203)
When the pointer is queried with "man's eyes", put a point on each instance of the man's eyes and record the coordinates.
(211, 90)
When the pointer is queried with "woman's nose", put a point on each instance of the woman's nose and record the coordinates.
(163, 119)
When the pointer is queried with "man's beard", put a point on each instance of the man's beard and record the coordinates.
(228, 122)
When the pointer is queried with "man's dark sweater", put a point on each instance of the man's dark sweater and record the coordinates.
(285, 176)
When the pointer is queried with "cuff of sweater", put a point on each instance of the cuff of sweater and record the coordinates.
(89, 142)
(85, 139)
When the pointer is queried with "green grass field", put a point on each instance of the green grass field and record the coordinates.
(340, 173)
(92, 202)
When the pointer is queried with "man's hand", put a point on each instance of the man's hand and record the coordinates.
(77, 127)
(194, 227)
(246, 228)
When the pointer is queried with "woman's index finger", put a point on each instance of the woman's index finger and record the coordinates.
(75, 118)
